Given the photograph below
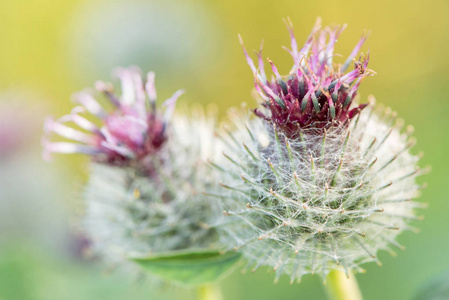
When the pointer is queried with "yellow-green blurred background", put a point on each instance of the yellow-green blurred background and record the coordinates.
(52, 48)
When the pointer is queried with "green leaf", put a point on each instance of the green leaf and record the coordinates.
(436, 288)
(191, 268)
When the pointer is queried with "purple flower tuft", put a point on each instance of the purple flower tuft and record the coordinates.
(128, 132)
(316, 93)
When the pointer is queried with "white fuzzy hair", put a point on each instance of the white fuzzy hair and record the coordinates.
(128, 213)
(317, 201)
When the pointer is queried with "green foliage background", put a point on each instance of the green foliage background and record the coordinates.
(55, 48)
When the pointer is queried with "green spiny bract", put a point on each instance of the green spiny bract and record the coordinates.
(326, 195)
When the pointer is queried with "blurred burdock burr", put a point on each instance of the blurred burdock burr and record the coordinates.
(145, 194)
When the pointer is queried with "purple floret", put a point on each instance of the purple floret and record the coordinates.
(316, 93)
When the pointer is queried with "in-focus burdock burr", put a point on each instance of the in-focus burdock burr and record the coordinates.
(315, 181)
(148, 171)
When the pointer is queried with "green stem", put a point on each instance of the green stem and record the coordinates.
(339, 287)
(209, 292)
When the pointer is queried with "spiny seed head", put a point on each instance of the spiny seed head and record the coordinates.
(308, 197)
(317, 92)
(149, 172)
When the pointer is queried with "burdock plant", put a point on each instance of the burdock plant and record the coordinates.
(315, 182)
(145, 201)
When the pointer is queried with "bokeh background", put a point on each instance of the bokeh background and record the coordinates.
(51, 48)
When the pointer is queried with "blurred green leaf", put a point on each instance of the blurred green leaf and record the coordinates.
(436, 288)
(191, 268)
